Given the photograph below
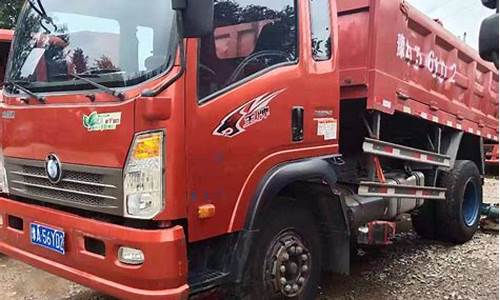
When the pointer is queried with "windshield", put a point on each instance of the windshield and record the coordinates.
(116, 43)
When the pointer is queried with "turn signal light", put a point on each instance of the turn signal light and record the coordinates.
(148, 147)
(206, 211)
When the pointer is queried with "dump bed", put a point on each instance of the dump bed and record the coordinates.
(402, 61)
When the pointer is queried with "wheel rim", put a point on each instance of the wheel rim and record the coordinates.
(471, 204)
(288, 265)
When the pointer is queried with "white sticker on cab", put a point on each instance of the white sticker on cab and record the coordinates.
(327, 128)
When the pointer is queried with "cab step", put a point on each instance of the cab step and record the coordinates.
(203, 281)
(386, 149)
(377, 189)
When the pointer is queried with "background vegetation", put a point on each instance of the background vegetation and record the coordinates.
(9, 9)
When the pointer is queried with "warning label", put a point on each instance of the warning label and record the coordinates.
(327, 128)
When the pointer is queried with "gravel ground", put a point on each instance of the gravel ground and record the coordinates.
(411, 268)
(417, 269)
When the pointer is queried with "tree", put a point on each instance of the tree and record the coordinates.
(226, 13)
(80, 61)
(9, 10)
(105, 63)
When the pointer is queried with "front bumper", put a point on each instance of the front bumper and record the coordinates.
(162, 276)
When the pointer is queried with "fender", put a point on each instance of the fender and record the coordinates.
(275, 181)
(461, 146)
(282, 175)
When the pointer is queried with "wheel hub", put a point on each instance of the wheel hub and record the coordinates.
(471, 204)
(288, 264)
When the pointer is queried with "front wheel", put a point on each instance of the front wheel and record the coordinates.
(458, 217)
(285, 261)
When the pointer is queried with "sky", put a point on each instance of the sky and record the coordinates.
(458, 16)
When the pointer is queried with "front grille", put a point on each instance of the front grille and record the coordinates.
(89, 188)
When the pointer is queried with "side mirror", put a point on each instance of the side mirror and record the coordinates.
(488, 39)
(197, 16)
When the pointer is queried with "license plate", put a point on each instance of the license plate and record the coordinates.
(48, 238)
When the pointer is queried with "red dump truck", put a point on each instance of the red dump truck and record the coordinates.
(151, 154)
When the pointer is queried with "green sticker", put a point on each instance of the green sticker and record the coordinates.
(102, 122)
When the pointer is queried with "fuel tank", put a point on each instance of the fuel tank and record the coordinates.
(366, 209)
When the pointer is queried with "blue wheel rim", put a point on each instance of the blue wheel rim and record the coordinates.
(471, 204)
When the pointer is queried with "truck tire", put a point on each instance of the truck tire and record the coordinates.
(458, 217)
(424, 220)
(285, 259)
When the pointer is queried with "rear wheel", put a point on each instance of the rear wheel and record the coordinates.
(457, 218)
(460, 214)
(285, 261)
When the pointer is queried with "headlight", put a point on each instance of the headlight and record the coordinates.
(4, 187)
(143, 178)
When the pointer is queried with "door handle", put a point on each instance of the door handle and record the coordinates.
(297, 124)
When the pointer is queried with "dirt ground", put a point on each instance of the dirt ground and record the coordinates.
(411, 268)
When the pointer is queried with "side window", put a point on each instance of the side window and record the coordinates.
(321, 29)
(249, 36)
(4, 53)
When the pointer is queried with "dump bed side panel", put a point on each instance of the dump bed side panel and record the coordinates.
(401, 60)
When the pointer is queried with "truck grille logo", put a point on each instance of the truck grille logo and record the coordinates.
(53, 168)
(250, 113)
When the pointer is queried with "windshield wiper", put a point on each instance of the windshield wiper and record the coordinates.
(100, 72)
(40, 10)
(103, 88)
(17, 85)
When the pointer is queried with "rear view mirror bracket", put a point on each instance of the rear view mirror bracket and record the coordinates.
(197, 17)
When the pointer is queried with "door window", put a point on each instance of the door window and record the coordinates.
(249, 37)
(321, 29)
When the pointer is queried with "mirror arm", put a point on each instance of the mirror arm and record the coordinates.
(179, 4)
(180, 33)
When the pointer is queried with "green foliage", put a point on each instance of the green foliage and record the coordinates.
(9, 10)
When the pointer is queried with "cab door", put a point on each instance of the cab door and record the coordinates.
(255, 98)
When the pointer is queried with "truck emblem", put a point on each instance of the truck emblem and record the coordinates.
(8, 115)
(102, 122)
(53, 168)
(250, 113)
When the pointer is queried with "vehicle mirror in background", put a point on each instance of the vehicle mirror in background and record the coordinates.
(488, 37)
(493, 4)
